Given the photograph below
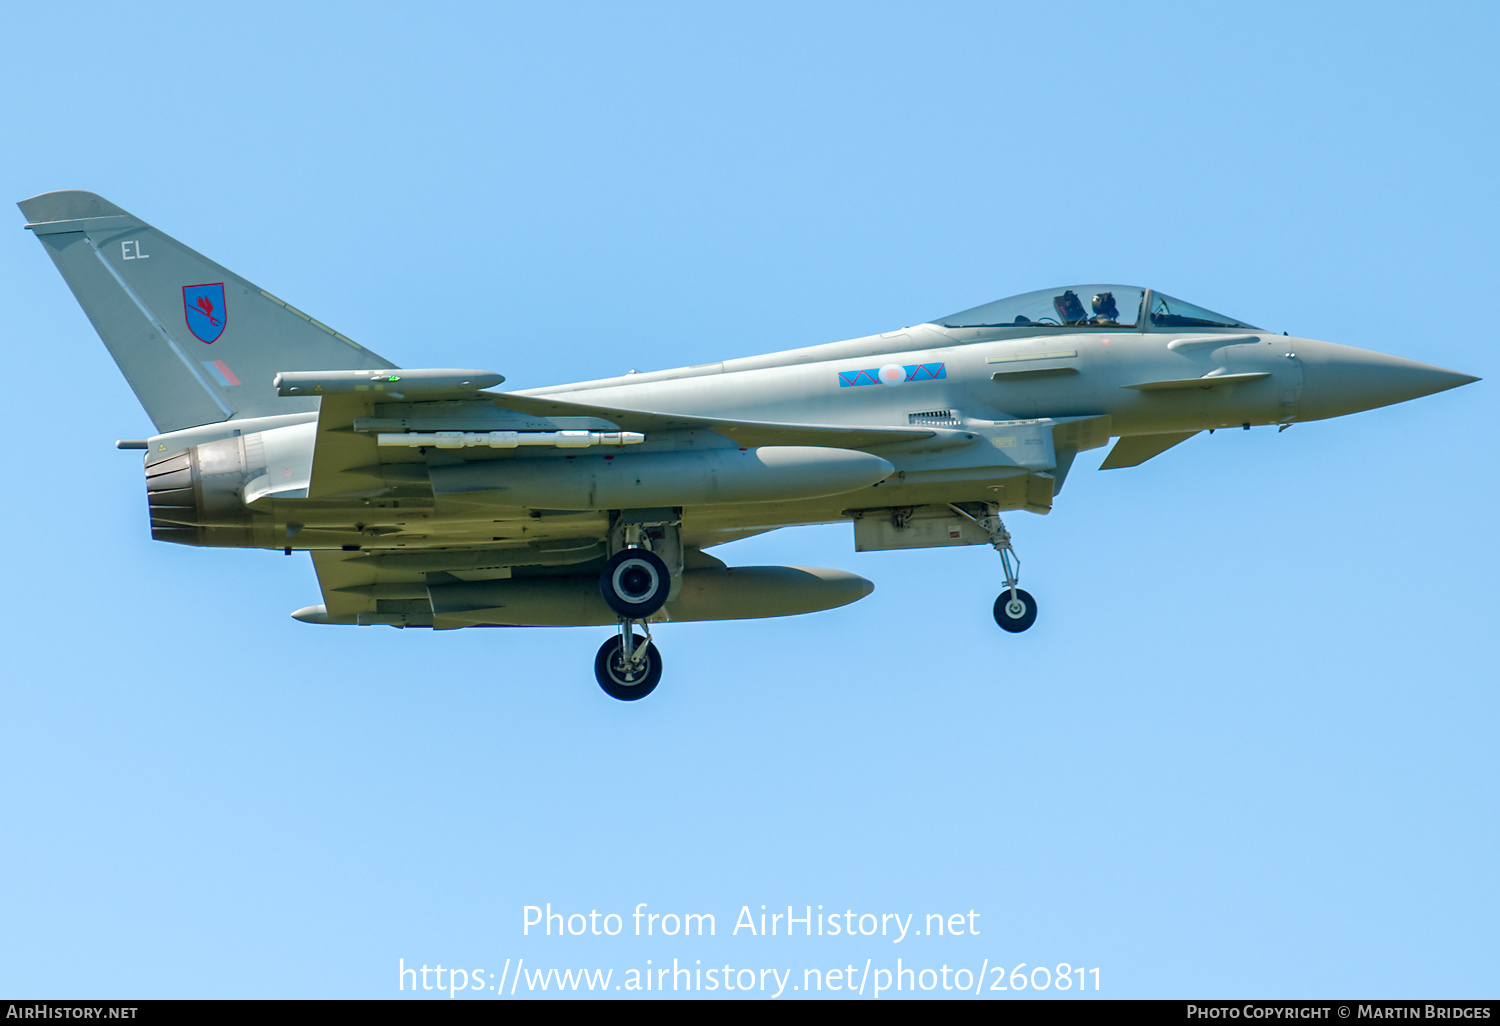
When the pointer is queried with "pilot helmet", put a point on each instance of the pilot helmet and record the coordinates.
(1104, 306)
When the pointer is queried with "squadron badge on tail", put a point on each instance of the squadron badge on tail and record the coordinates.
(203, 305)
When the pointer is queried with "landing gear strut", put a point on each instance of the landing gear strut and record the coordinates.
(1015, 609)
(636, 582)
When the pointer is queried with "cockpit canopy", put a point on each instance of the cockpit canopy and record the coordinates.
(1090, 306)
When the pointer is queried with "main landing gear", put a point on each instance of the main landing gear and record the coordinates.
(636, 582)
(628, 666)
(1015, 609)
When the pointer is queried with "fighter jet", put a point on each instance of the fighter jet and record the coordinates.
(427, 498)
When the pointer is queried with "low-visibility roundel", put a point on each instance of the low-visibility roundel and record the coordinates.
(893, 374)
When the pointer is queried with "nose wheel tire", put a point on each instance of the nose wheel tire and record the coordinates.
(1017, 613)
(627, 683)
(635, 583)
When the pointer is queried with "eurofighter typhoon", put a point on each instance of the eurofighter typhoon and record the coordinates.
(427, 498)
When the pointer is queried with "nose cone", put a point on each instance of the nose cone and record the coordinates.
(1342, 379)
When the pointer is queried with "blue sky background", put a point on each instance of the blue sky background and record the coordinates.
(1248, 749)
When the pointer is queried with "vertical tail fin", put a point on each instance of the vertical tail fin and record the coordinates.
(197, 343)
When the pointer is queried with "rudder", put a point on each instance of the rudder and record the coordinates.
(197, 343)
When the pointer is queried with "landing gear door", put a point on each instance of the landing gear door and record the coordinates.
(916, 527)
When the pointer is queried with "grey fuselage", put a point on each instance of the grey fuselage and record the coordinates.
(996, 401)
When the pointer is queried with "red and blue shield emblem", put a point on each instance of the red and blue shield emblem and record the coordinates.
(203, 305)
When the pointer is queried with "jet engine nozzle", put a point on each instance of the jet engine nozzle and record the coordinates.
(195, 495)
(214, 493)
(1338, 380)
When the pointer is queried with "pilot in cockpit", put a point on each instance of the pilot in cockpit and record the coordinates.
(1069, 308)
(1106, 313)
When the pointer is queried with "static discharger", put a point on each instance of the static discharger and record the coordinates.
(508, 439)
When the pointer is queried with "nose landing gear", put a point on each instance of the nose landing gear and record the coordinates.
(1015, 609)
